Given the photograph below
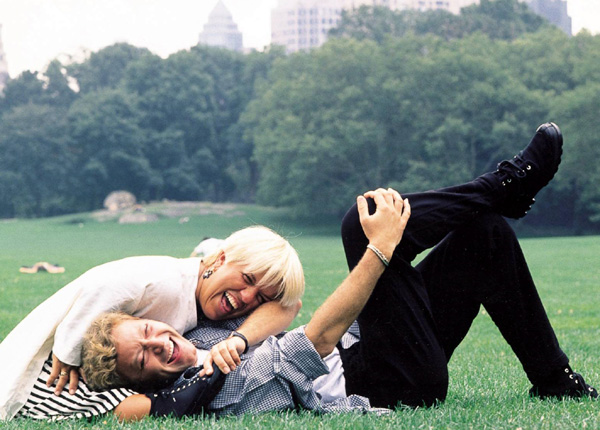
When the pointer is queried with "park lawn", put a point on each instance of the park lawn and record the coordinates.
(488, 389)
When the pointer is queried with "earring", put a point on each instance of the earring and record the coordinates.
(207, 273)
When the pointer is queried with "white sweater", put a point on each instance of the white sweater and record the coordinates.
(154, 287)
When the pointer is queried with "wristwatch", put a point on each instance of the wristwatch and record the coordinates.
(241, 336)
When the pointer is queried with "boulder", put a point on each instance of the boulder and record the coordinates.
(119, 200)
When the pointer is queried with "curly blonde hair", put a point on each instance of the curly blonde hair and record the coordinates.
(99, 353)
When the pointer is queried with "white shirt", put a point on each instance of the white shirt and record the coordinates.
(332, 386)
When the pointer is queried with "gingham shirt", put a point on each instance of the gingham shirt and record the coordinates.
(278, 375)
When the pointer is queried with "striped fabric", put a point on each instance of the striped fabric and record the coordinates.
(44, 405)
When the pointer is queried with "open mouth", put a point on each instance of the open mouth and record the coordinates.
(231, 301)
(173, 352)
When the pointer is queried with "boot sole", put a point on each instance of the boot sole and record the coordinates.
(552, 131)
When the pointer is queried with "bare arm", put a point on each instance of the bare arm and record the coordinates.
(133, 408)
(268, 319)
(384, 229)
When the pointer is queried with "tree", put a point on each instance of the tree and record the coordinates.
(584, 51)
(57, 91)
(24, 89)
(314, 129)
(374, 23)
(105, 68)
(109, 144)
(501, 19)
(414, 112)
(498, 19)
(241, 166)
(580, 172)
(36, 162)
(199, 95)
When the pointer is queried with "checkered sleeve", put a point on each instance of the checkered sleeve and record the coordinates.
(351, 336)
(278, 376)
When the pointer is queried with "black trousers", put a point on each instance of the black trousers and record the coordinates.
(417, 316)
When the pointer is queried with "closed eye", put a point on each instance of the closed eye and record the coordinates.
(143, 361)
(263, 298)
(249, 279)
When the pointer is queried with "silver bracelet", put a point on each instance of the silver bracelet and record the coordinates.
(379, 254)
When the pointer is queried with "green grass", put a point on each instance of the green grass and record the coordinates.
(487, 385)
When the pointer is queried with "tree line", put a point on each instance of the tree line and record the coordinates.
(412, 100)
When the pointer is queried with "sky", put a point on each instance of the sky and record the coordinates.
(36, 31)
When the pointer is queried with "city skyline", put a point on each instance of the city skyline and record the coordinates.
(36, 31)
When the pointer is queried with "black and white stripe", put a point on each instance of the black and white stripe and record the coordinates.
(85, 403)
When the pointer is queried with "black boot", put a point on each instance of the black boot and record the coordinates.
(530, 170)
(563, 384)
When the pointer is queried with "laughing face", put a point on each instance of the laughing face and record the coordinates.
(151, 351)
(231, 291)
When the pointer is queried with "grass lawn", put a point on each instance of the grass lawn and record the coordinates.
(488, 389)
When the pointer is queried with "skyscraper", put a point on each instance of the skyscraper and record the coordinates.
(554, 11)
(221, 30)
(304, 24)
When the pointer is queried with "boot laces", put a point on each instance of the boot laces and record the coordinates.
(513, 168)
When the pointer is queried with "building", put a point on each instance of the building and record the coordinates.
(221, 30)
(453, 6)
(554, 11)
(3, 64)
(304, 24)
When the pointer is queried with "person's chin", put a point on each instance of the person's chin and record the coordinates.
(188, 358)
(210, 313)
(218, 314)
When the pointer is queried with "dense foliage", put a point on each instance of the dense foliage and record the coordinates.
(413, 100)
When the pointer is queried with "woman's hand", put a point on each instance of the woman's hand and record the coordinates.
(385, 227)
(225, 354)
(64, 373)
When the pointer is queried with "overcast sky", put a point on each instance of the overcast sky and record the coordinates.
(36, 31)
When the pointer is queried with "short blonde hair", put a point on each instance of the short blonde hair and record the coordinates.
(263, 252)
(99, 353)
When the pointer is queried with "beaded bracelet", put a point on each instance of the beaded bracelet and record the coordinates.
(379, 254)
